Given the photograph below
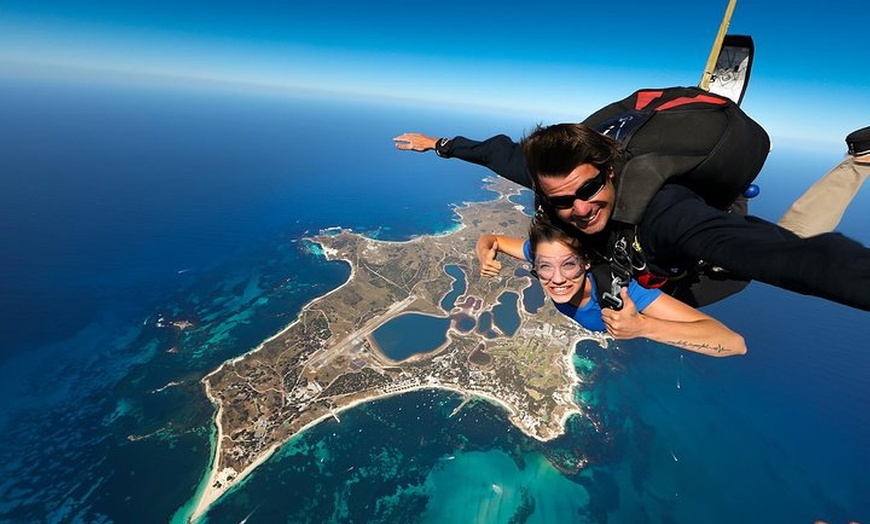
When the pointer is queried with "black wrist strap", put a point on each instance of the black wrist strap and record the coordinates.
(442, 146)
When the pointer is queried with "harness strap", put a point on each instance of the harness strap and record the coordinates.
(610, 276)
(607, 286)
(645, 98)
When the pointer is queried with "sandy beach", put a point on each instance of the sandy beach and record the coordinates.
(210, 494)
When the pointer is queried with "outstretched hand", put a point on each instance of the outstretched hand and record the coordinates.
(414, 142)
(487, 249)
(625, 323)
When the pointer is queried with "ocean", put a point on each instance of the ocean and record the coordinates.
(127, 209)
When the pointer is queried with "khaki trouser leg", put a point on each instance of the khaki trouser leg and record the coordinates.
(820, 209)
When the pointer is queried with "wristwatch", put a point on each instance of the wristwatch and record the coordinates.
(441, 147)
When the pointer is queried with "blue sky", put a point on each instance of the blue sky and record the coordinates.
(553, 61)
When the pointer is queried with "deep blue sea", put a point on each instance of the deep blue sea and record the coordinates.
(124, 209)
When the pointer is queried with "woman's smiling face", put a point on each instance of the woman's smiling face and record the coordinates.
(560, 270)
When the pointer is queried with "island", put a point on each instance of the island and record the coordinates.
(329, 360)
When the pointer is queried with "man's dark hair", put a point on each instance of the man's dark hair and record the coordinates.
(542, 229)
(554, 151)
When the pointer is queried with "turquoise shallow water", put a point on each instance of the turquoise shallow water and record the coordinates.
(158, 206)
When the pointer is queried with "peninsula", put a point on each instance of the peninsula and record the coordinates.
(327, 360)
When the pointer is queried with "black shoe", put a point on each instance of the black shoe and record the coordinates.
(859, 141)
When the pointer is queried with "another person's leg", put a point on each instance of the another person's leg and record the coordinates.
(820, 209)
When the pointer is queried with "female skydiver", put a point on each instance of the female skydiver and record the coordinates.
(561, 267)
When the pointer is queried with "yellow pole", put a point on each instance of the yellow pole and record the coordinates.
(717, 47)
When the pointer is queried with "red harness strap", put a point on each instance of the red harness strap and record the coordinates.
(650, 280)
(645, 98)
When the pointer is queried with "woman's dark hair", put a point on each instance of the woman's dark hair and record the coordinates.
(542, 229)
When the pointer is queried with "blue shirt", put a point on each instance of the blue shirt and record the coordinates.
(589, 315)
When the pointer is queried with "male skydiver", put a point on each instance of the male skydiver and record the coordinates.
(587, 180)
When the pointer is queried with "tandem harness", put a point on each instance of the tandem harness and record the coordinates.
(624, 261)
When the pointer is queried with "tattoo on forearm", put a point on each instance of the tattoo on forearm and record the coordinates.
(718, 348)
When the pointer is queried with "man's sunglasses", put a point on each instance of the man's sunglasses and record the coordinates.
(589, 189)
